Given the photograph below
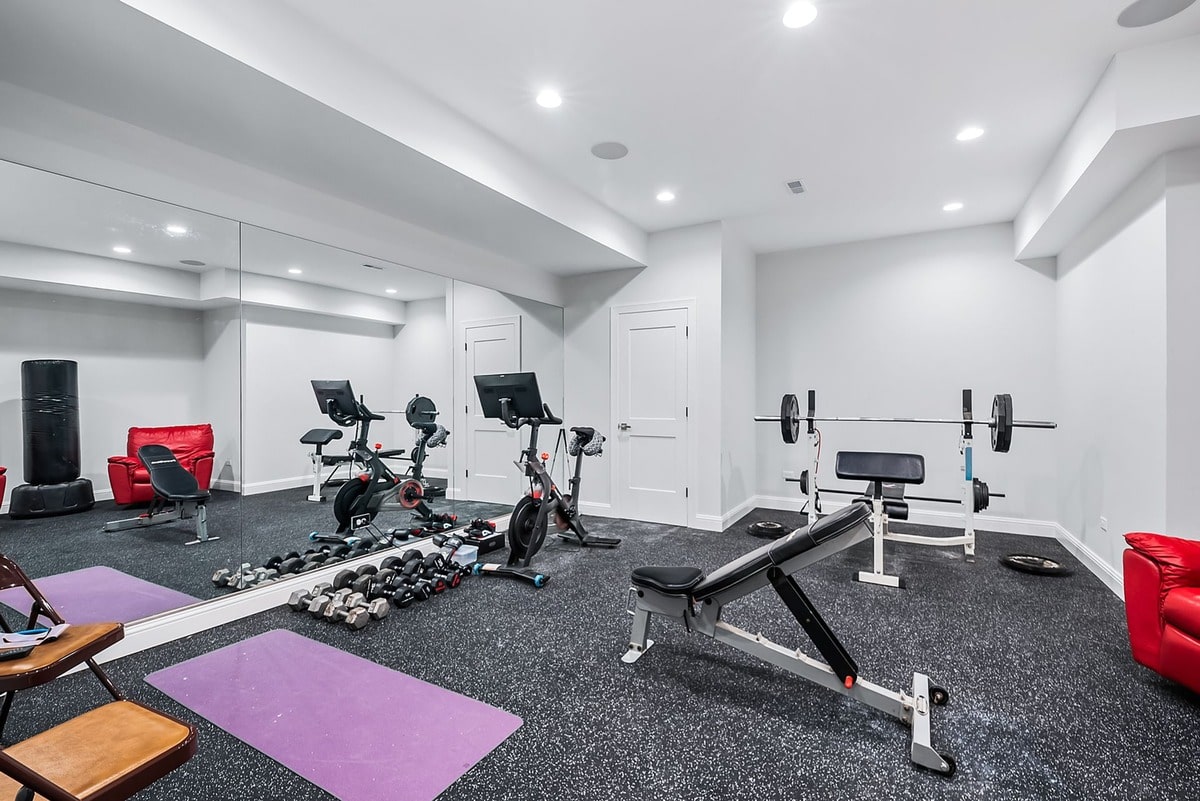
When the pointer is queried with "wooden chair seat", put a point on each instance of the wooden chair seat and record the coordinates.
(50, 660)
(105, 754)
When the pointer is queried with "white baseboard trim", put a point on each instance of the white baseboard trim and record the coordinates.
(736, 512)
(1092, 561)
(275, 485)
(596, 509)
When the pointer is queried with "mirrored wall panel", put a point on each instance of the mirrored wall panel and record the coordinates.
(347, 376)
(120, 397)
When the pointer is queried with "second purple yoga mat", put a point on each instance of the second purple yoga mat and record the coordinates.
(358, 730)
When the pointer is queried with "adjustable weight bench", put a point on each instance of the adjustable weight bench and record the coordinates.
(685, 592)
(172, 485)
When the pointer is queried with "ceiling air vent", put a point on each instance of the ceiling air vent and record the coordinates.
(372, 266)
(796, 187)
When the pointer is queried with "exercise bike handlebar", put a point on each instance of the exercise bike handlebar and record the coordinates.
(512, 421)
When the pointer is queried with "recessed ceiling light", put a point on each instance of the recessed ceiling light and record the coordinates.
(295, 270)
(1148, 12)
(124, 251)
(610, 151)
(390, 291)
(665, 196)
(799, 14)
(969, 133)
(549, 98)
(955, 206)
(176, 230)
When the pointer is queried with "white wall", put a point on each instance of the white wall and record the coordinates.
(138, 366)
(221, 392)
(683, 264)
(284, 351)
(739, 478)
(1112, 351)
(898, 327)
(541, 353)
(423, 365)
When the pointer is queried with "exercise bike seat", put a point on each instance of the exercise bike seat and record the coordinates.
(320, 436)
(168, 477)
(585, 434)
(668, 580)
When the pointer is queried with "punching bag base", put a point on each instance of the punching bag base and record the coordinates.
(45, 500)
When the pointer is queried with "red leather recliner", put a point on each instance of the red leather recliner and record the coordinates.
(1162, 605)
(192, 446)
(3, 481)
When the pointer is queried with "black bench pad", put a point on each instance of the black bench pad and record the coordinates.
(668, 580)
(167, 476)
(320, 436)
(902, 468)
(691, 580)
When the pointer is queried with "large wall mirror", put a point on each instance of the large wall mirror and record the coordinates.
(119, 328)
(165, 397)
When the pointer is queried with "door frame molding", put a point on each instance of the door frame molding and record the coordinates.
(691, 432)
(463, 388)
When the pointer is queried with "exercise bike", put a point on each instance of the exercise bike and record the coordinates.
(515, 400)
(360, 499)
(420, 414)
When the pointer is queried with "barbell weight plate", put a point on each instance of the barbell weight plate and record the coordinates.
(982, 498)
(804, 482)
(789, 419)
(1002, 423)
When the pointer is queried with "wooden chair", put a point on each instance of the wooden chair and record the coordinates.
(105, 754)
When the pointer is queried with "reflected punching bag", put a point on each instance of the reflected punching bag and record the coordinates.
(50, 417)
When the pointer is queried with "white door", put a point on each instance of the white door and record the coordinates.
(492, 346)
(650, 435)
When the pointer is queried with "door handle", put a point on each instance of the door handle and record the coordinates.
(624, 427)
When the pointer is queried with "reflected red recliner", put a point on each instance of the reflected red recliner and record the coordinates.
(3, 481)
(192, 446)
(1162, 605)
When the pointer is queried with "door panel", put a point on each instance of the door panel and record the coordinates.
(651, 366)
(492, 346)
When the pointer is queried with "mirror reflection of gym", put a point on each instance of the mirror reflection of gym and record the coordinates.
(119, 394)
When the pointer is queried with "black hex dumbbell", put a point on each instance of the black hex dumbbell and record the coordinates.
(345, 578)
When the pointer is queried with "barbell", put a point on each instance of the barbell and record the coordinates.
(1001, 422)
(981, 494)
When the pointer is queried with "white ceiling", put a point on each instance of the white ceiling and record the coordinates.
(722, 103)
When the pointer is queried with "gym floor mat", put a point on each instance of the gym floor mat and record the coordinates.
(99, 594)
(352, 727)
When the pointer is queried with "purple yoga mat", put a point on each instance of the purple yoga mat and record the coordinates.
(357, 730)
(97, 595)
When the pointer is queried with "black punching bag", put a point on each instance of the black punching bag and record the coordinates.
(50, 409)
(50, 413)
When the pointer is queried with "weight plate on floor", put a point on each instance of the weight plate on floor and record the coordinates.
(789, 419)
(766, 529)
(1037, 565)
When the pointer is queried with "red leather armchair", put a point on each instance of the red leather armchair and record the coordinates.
(192, 446)
(1162, 605)
(3, 481)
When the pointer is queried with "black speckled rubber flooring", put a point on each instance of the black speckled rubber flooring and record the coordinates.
(1046, 702)
(250, 530)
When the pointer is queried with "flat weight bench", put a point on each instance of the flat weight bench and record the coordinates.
(685, 592)
(172, 485)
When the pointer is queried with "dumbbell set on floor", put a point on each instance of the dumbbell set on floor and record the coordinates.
(292, 563)
(358, 596)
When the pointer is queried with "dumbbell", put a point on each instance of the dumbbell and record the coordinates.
(300, 599)
(365, 582)
(227, 575)
(345, 578)
(358, 617)
(336, 612)
(321, 602)
(397, 562)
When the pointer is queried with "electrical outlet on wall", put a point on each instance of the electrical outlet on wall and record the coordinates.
(1103, 523)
